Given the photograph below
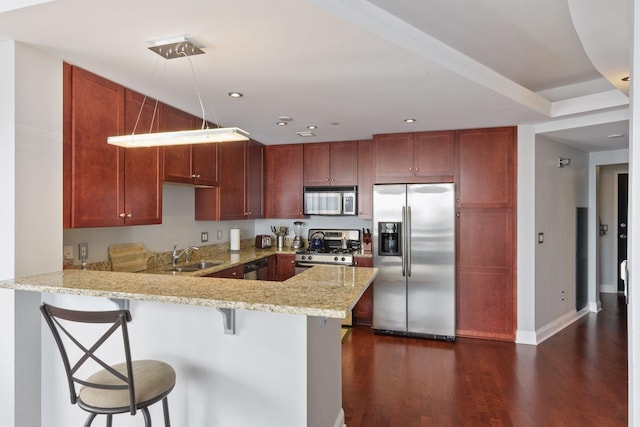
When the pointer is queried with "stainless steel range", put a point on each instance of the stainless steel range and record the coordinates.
(329, 246)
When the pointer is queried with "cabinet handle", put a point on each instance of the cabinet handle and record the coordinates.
(457, 214)
(234, 274)
(457, 200)
(417, 169)
(327, 179)
(129, 215)
(122, 215)
(195, 175)
(333, 179)
(410, 169)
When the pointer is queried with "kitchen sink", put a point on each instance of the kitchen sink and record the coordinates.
(202, 265)
(197, 266)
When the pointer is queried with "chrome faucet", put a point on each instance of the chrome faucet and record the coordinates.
(175, 255)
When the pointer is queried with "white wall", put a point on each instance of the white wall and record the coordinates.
(30, 188)
(608, 214)
(558, 192)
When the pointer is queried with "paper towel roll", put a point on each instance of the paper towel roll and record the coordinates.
(235, 240)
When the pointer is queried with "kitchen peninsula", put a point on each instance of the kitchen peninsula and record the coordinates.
(280, 364)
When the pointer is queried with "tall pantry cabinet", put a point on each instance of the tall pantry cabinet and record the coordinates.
(486, 233)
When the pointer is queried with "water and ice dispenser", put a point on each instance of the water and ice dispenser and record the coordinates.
(389, 238)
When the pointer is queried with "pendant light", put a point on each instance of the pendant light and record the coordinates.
(180, 47)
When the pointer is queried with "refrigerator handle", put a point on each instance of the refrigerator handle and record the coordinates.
(408, 240)
(404, 252)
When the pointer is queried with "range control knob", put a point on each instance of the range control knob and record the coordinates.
(335, 258)
(343, 259)
(309, 257)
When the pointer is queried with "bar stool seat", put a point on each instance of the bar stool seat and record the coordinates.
(117, 388)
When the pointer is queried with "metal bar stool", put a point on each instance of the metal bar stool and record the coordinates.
(114, 389)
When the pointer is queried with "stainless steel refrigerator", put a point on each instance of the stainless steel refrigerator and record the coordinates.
(414, 250)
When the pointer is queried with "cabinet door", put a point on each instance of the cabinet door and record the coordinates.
(97, 184)
(317, 163)
(142, 166)
(434, 156)
(365, 179)
(363, 311)
(344, 160)
(204, 160)
(283, 181)
(236, 272)
(286, 266)
(232, 180)
(393, 158)
(485, 167)
(255, 174)
(177, 159)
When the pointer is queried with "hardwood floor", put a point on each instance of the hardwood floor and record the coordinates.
(578, 377)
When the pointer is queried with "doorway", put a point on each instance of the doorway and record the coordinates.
(623, 205)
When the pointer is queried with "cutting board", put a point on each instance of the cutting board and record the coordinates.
(129, 257)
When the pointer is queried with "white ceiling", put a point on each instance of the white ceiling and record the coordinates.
(354, 68)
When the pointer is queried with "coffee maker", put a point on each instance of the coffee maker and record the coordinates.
(298, 240)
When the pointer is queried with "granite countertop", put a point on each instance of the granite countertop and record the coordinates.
(323, 291)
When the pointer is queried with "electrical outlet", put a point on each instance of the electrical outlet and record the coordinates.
(204, 236)
(219, 234)
(562, 295)
(83, 251)
(67, 252)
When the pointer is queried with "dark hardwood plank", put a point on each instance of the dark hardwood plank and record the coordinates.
(578, 377)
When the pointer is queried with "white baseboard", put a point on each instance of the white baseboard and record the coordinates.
(609, 289)
(559, 324)
(526, 337)
(340, 420)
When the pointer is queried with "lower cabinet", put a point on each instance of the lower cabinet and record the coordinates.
(236, 272)
(285, 266)
(363, 311)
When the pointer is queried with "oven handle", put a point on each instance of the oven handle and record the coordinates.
(310, 264)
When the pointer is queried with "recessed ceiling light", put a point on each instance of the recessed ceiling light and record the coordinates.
(305, 134)
(626, 79)
(615, 135)
(409, 120)
(281, 123)
(312, 127)
(235, 94)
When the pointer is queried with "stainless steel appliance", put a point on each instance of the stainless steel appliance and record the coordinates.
(338, 247)
(414, 250)
(263, 241)
(257, 270)
(330, 200)
(298, 240)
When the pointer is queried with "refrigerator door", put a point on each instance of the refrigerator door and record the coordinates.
(389, 290)
(431, 298)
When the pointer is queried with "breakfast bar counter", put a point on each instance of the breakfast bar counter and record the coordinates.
(280, 365)
(329, 291)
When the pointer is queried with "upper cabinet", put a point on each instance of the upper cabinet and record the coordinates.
(331, 163)
(187, 164)
(240, 191)
(414, 157)
(283, 165)
(103, 183)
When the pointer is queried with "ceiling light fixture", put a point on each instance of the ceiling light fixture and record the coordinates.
(281, 123)
(235, 94)
(178, 47)
(409, 120)
(305, 134)
(312, 127)
(626, 79)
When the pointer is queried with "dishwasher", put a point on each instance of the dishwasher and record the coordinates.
(257, 270)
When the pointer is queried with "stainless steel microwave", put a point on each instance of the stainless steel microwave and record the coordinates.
(330, 200)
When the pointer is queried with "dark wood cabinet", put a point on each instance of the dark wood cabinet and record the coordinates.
(187, 164)
(486, 233)
(240, 191)
(414, 157)
(285, 266)
(106, 185)
(331, 163)
(236, 272)
(366, 179)
(363, 311)
(283, 166)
